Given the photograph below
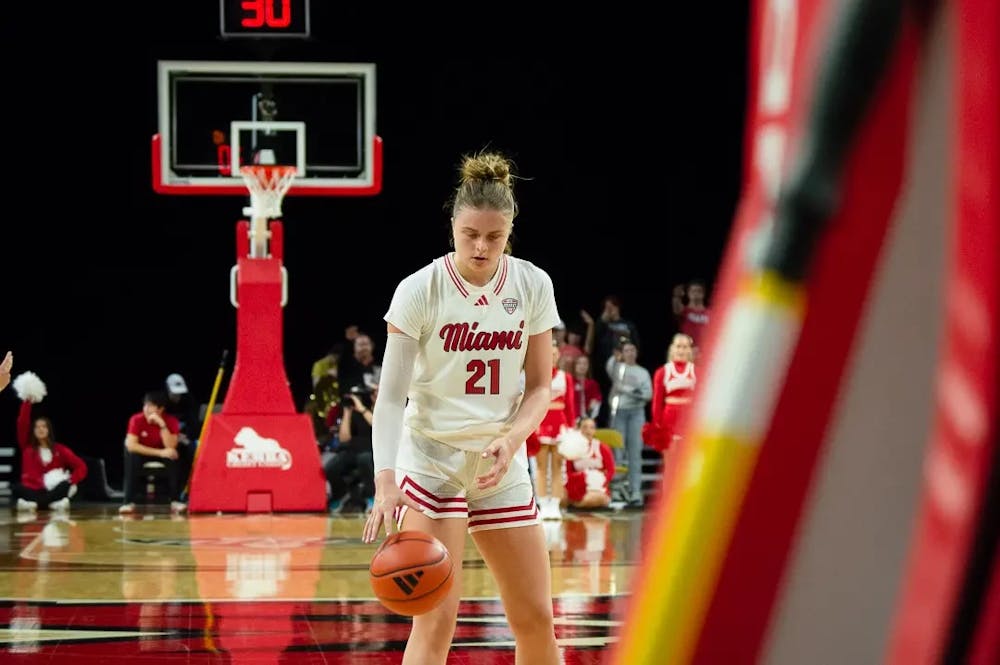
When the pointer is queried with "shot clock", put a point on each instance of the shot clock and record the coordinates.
(264, 18)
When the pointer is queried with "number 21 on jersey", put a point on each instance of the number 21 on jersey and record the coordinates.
(481, 372)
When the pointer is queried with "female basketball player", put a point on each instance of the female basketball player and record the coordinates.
(459, 332)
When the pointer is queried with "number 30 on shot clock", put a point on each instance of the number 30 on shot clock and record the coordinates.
(264, 18)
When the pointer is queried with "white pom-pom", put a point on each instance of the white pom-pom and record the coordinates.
(596, 480)
(29, 387)
(53, 477)
(573, 445)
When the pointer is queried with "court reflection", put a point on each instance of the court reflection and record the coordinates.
(151, 590)
(46, 543)
(256, 558)
(52, 539)
(592, 553)
(269, 588)
(44, 540)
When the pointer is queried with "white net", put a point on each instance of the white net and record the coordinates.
(268, 184)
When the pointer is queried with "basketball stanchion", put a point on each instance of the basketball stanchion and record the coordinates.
(259, 453)
(208, 415)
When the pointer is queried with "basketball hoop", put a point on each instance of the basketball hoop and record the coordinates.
(268, 184)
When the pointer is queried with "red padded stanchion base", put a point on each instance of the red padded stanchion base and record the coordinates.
(244, 458)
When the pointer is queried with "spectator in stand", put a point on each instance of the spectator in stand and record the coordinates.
(361, 368)
(691, 312)
(323, 405)
(559, 334)
(50, 471)
(588, 335)
(570, 350)
(588, 392)
(351, 332)
(326, 369)
(327, 365)
(611, 330)
(631, 389)
(182, 406)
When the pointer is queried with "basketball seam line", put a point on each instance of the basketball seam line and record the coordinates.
(396, 570)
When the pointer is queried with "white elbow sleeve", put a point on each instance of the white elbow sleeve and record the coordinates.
(394, 384)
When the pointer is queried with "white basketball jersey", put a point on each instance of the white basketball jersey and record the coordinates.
(467, 378)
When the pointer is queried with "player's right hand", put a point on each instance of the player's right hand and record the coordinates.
(5, 367)
(388, 497)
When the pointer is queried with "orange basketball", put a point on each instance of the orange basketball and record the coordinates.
(411, 573)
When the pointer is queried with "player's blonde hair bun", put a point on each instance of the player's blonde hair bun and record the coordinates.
(486, 167)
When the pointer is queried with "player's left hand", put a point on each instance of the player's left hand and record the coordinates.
(502, 452)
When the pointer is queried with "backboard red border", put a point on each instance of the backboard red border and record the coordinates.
(239, 189)
(367, 182)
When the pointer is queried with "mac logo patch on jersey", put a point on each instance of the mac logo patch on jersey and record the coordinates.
(509, 304)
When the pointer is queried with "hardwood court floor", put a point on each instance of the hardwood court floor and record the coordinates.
(91, 587)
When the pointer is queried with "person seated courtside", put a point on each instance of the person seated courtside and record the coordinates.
(152, 437)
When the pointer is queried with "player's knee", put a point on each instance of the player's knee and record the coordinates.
(436, 628)
(531, 618)
(432, 640)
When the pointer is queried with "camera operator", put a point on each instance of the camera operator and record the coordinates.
(350, 471)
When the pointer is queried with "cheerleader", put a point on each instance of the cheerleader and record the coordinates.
(549, 488)
(673, 391)
(50, 471)
(589, 470)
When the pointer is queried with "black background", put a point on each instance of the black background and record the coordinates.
(627, 126)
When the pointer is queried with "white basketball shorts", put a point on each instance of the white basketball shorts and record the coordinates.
(442, 479)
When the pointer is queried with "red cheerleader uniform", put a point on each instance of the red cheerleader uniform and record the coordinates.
(600, 458)
(673, 390)
(561, 413)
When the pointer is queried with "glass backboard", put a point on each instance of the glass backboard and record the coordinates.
(215, 117)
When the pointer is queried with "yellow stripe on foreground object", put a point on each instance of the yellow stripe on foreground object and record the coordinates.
(686, 549)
